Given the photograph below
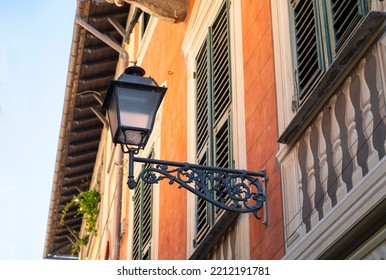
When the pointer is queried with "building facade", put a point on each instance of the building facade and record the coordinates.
(252, 85)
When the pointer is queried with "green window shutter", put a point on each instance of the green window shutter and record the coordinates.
(223, 149)
(202, 99)
(346, 14)
(221, 63)
(221, 68)
(203, 219)
(147, 199)
(308, 61)
(136, 222)
(203, 112)
(223, 144)
(142, 220)
(213, 107)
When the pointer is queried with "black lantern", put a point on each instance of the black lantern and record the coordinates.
(132, 102)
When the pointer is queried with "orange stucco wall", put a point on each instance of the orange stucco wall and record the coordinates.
(261, 123)
(165, 61)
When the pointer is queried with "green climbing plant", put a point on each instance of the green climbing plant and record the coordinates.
(86, 204)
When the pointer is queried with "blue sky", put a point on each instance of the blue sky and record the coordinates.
(35, 42)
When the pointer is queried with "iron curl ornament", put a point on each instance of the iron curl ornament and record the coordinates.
(233, 190)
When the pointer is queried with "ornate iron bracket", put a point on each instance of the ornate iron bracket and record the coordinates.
(234, 190)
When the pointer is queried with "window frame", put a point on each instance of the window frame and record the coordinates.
(145, 36)
(213, 63)
(202, 16)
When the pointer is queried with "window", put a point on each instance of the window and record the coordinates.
(145, 18)
(147, 24)
(142, 220)
(213, 110)
(320, 30)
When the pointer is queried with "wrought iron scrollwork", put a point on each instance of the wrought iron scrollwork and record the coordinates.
(230, 189)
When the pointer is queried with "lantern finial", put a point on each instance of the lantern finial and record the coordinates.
(135, 70)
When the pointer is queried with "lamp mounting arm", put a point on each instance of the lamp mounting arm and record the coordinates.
(234, 190)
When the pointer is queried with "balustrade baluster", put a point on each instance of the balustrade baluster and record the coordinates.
(367, 115)
(221, 245)
(300, 192)
(352, 133)
(337, 150)
(323, 173)
(311, 183)
(214, 252)
(381, 93)
(228, 244)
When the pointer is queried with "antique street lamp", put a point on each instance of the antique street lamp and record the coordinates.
(132, 102)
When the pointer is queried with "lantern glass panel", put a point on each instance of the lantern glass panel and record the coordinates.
(136, 108)
(113, 117)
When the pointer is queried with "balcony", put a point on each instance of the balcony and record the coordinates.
(334, 173)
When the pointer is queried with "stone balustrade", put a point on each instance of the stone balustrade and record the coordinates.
(338, 150)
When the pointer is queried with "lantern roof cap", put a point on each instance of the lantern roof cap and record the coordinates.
(135, 70)
(135, 75)
(132, 77)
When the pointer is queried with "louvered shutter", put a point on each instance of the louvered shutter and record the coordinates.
(203, 85)
(223, 149)
(221, 93)
(136, 222)
(346, 14)
(213, 105)
(147, 204)
(221, 64)
(308, 62)
(203, 214)
(221, 88)
(202, 100)
(142, 220)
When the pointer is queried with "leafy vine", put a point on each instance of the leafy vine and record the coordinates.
(87, 206)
